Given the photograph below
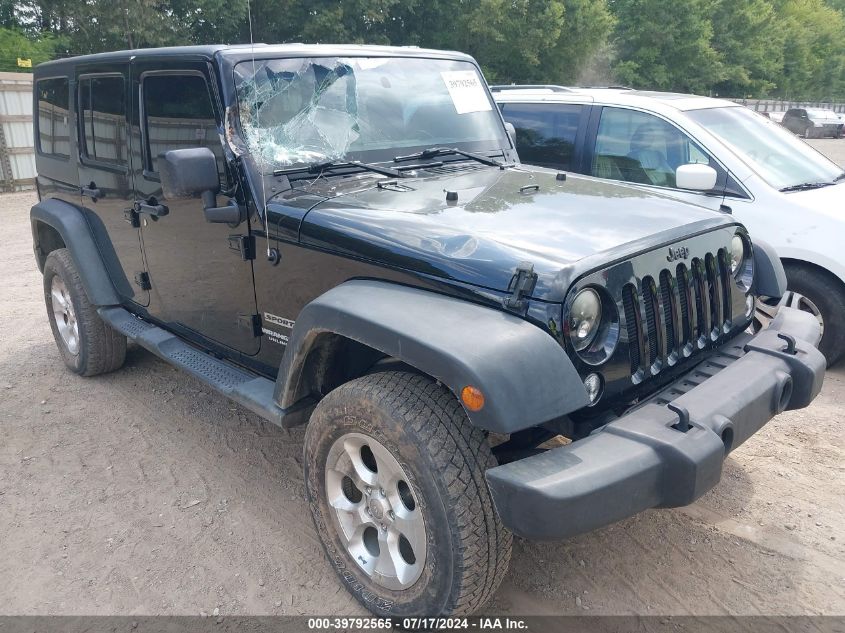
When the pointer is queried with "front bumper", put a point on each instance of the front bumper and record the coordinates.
(646, 459)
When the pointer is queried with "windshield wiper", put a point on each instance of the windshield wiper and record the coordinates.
(330, 165)
(839, 177)
(808, 185)
(432, 152)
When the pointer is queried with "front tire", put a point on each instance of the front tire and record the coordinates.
(394, 475)
(87, 345)
(826, 299)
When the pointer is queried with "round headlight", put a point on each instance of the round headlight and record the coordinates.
(737, 254)
(584, 318)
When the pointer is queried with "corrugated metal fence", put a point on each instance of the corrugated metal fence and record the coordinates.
(781, 105)
(17, 155)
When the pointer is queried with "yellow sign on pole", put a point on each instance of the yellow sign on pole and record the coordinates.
(24, 63)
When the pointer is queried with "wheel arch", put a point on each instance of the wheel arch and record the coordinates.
(816, 268)
(525, 375)
(58, 224)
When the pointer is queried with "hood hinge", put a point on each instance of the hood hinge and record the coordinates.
(243, 244)
(250, 322)
(521, 285)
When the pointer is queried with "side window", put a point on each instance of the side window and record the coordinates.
(102, 107)
(545, 132)
(53, 135)
(638, 147)
(178, 113)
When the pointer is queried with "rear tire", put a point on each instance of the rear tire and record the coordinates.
(829, 297)
(87, 345)
(405, 435)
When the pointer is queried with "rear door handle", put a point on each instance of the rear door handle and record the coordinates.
(151, 208)
(91, 191)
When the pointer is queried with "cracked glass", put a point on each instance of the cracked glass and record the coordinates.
(299, 111)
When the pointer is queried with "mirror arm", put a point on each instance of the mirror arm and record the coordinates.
(232, 213)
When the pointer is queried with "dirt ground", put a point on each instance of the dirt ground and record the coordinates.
(143, 492)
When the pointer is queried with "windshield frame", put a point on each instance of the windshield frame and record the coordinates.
(774, 129)
(502, 147)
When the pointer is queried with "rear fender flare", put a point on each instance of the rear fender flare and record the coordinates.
(525, 375)
(76, 233)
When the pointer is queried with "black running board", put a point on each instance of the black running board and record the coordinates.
(245, 388)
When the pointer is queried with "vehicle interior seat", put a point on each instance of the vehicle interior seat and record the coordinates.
(648, 147)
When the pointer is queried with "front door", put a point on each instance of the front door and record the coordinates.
(641, 148)
(201, 285)
(105, 183)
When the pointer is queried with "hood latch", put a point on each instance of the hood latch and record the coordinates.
(521, 285)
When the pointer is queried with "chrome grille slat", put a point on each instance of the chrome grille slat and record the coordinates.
(650, 318)
(685, 296)
(702, 305)
(677, 312)
(714, 283)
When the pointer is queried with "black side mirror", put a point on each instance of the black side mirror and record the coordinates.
(186, 173)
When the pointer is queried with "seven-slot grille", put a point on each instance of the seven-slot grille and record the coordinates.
(677, 312)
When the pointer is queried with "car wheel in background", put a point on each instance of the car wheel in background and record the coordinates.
(818, 293)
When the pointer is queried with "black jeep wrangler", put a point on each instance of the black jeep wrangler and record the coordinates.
(343, 237)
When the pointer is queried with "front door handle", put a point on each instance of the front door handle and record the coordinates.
(151, 207)
(91, 191)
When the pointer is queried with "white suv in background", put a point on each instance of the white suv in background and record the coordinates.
(711, 152)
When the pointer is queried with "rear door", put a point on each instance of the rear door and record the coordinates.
(201, 283)
(548, 134)
(102, 93)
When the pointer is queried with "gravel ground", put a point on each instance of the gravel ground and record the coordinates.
(143, 492)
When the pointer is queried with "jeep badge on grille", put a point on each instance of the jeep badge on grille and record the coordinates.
(681, 252)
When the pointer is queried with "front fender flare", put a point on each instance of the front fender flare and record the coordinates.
(525, 375)
(769, 275)
(75, 231)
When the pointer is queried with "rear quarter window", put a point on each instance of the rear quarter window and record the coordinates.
(53, 127)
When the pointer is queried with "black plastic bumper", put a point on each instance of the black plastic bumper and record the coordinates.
(645, 459)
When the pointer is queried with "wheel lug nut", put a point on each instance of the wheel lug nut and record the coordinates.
(391, 514)
(368, 490)
(368, 512)
(383, 527)
(381, 492)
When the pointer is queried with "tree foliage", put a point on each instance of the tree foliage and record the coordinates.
(793, 48)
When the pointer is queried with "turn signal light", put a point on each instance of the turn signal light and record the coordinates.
(472, 398)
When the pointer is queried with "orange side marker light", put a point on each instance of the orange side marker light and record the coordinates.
(472, 398)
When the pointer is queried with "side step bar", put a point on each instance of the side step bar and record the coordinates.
(245, 388)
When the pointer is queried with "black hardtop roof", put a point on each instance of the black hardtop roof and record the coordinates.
(245, 51)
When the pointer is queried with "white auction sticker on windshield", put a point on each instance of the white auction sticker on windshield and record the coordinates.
(466, 91)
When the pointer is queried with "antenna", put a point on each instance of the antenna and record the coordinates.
(270, 256)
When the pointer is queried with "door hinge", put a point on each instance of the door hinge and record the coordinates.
(143, 280)
(250, 322)
(243, 244)
(131, 218)
(522, 285)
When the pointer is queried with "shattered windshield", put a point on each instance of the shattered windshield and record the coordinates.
(305, 111)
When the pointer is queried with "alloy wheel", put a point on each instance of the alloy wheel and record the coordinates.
(377, 510)
(64, 314)
(766, 308)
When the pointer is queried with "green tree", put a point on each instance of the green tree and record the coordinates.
(749, 37)
(15, 44)
(666, 44)
(813, 51)
(544, 41)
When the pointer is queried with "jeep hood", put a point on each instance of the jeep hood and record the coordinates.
(500, 218)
